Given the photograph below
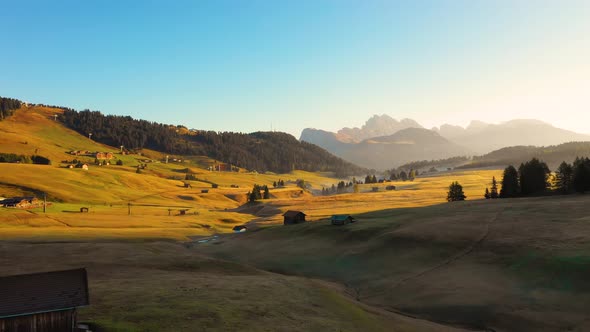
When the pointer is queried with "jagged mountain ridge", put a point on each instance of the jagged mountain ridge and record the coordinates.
(377, 125)
(443, 142)
(385, 152)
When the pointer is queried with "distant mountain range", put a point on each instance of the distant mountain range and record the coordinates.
(481, 137)
(384, 143)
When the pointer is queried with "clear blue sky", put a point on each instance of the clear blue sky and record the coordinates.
(246, 65)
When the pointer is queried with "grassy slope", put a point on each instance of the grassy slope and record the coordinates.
(503, 264)
(108, 189)
(163, 286)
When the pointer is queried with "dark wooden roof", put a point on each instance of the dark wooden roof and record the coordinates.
(43, 292)
(292, 213)
(15, 200)
(341, 217)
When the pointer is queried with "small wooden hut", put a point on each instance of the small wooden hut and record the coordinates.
(293, 217)
(342, 219)
(42, 301)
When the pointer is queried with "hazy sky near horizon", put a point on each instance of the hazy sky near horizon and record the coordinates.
(247, 65)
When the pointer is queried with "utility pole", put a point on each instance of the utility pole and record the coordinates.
(129, 208)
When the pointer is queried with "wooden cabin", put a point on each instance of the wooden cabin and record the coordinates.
(42, 301)
(293, 217)
(342, 219)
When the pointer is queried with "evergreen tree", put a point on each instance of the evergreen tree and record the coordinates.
(564, 177)
(487, 194)
(510, 185)
(533, 176)
(494, 191)
(301, 183)
(403, 175)
(274, 184)
(412, 175)
(581, 175)
(266, 194)
(455, 192)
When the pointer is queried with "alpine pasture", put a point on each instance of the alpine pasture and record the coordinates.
(161, 254)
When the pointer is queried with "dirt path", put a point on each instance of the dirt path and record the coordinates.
(447, 261)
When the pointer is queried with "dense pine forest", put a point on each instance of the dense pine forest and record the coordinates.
(8, 106)
(260, 151)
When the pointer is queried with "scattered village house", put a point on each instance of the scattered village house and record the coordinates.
(21, 202)
(104, 155)
(342, 219)
(293, 217)
(42, 301)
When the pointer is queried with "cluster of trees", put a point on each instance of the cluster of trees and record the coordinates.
(403, 176)
(371, 179)
(534, 178)
(258, 192)
(574, 177)
(8, 106)
(260, 151)
(19, 158)
(531, 178)
(279, 183)
(342, 187)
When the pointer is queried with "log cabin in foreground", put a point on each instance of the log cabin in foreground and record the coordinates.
(42, 301)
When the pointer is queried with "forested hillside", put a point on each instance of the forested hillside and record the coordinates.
(552, 155)
(260, 151)
(8, 106)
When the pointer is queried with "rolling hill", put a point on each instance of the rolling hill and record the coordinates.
(260, 151)
(488, 265)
